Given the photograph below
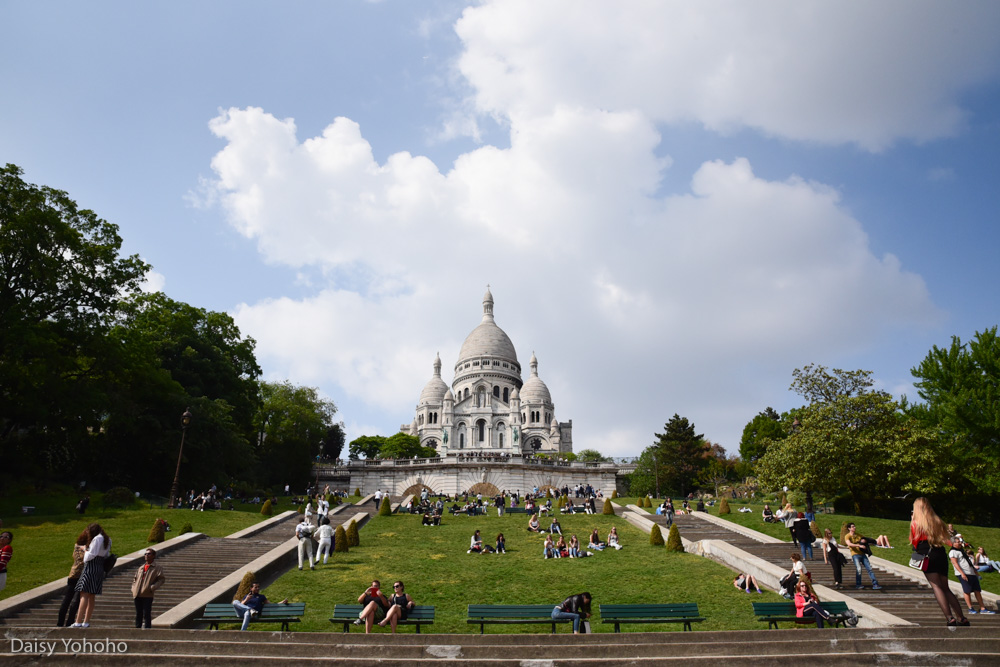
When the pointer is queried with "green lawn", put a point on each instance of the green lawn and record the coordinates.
(434, 565)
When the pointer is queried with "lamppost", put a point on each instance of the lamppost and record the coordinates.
(185, 422)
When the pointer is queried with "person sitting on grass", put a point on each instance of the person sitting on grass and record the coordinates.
(883, 541)
(550, 548)
(501, 547)
(574, 547)
(561, 547)
(595, 542)
(533, 524)
(476, 545)
(555, 527)
(613, 538)
(745, 581)
(983, 562)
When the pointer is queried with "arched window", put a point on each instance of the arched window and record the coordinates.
(506, 395)
(482, 430)
(500, 434)
(466, 392)
(420, 420)
(461, 440)
(496, 391)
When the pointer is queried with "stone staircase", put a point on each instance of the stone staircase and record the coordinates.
(891, 646)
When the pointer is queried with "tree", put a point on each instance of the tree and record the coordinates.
(862, 444)
(333, 443)
(592, 456)
(367, 446)
(817, 385)
(680, 455)
(61, 280)
(403, 446)
(291, 423)
(765, 427)
(961, 387)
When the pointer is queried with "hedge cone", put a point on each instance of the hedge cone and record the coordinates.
(608, 509)
(186, 528)
(157, 532)
(655, 536)
(353, 539)
(266, 510)
(674, 539)
(340, 541)
(614, 493)
(724, 506)
(385, 509)
(248, 580)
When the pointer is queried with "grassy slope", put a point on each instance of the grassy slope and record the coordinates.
(434, 565)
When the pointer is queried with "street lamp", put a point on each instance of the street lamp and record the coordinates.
(185, 422)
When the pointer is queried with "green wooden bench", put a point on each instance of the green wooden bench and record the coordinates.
(775, 612)
(348, 613)
(683, 612)
(483, 614)
(272, 612)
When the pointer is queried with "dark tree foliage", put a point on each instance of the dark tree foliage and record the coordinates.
(333, 443)
(368, 446)
(681, 456)
(292, 422)
(765, 427)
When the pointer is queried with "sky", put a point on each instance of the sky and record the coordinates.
(674, 204)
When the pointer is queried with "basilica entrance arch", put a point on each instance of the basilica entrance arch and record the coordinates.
(488, 490)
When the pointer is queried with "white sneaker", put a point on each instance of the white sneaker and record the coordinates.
(85, 625)
(77, 625)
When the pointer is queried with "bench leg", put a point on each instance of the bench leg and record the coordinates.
(617, 627)
(687, 626)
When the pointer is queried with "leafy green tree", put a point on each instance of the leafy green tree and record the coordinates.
(368, 446)
(333, 443)
(404, 446)
(681, 455)
(961, 389)
(62, 278)
(862, 444)
(292, 422)
(818, 385)
(765, 427)
(592, 456)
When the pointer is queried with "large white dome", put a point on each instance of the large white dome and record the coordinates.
(487, 340)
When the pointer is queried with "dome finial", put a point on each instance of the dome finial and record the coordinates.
(437, 365)
(534, 365)
(487, 305)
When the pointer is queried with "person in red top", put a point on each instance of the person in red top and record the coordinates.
(148, 579)
(6, 552)
(928, 535)
(807, 604)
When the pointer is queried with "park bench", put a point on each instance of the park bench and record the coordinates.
(272, 612)
(348, 613)
(775, 612)
(684, 612)
(508, 614)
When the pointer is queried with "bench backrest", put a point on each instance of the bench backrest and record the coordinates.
(350, 611)
(675, 610)
(788, 608)
(270, 610)
(510, 610)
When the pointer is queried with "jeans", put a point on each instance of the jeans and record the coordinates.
(244, 612)
(859, 560)
(143, 612)
(803, 547)
(558, 613)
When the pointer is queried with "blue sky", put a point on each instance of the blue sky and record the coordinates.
(675, 205)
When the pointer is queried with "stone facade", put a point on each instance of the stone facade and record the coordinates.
(488, 408)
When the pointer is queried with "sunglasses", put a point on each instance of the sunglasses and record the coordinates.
(396, 586)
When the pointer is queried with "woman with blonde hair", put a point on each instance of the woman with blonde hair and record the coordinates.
(928, 535)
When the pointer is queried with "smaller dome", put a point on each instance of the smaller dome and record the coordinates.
(534, 390)
(515, 394)
(448, 396)
(435, 388)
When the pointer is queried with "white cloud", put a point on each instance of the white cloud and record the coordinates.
(633, 301)
(153, 281)
(868, 73)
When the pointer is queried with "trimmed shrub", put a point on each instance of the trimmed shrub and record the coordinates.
(843, 534)
(357, 492)
(649, 502)
(353, 539)
(655, 536)
(783, 500)
(186, 528)
(817, 533)
(302, 509)
(614, 494)
(157, 532)
(334, 501)
(674, 539)
(724, 506)
(248, 580)
(548, 493)
(340, 541)
(385, 508)
(608, 509)
(266, 508)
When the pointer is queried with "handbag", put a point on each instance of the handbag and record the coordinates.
(109, 563)
(918, 561)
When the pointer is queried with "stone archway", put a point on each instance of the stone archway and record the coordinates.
(415, 489)
(488, 490)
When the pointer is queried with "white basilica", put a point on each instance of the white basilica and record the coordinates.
(488, 406)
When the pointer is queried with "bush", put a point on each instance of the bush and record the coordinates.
(186, 528)
(649, 502)
(385, 509)
(674, 539)
(302, 509)
(266, 509)
(357, 492)
(120, 496)
(548, 493)
(353, 539)
(334, 501)
(614, 494)
(248, 580)
(157, 532)
(724, 506)
(608, 509)
(817, 533)
(340, 540)
(656, 536)
(783, 500)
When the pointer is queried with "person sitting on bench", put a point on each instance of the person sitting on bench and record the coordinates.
(807, 604)
(251, 605)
